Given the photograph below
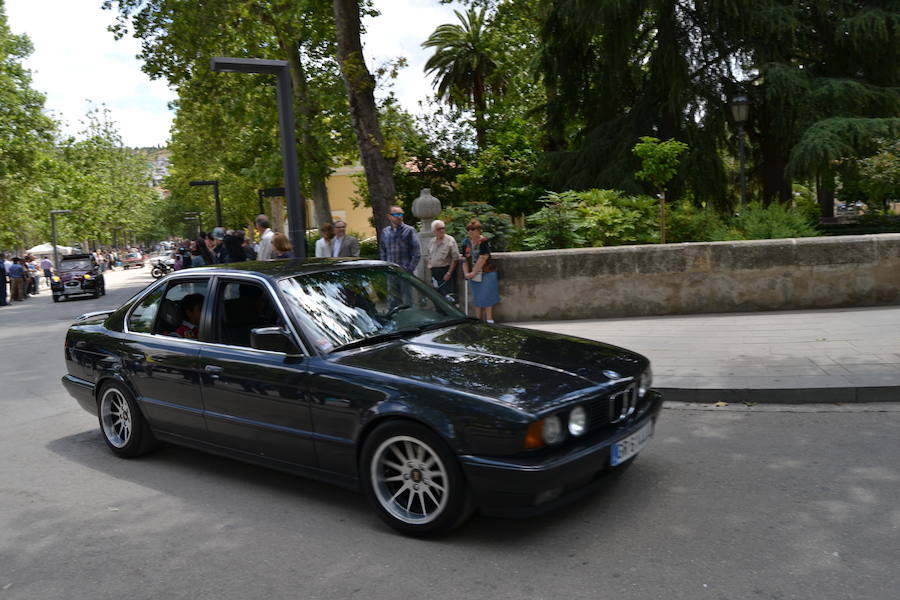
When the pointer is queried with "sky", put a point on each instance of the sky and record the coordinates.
(78, 64)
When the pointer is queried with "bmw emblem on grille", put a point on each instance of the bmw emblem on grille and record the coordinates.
(611, 374)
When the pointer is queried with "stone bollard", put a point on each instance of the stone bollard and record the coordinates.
(425, 208)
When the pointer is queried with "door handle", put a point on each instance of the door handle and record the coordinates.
(213, 370)
(134, 356)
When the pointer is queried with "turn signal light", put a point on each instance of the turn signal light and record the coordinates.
(534, 437)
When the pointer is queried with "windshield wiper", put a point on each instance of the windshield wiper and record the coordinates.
(377, 339)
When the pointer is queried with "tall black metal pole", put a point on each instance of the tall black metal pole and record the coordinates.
(295, 205)
(53, 235)
(743, 176)
(218, 205)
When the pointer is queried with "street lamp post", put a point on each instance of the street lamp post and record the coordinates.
(740, 110)
(53, 214)
(296, 214)
(215, 184)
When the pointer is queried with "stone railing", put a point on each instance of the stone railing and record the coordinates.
(620, 281)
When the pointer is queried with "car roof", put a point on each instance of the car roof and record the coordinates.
(282, 268)
(74, 256)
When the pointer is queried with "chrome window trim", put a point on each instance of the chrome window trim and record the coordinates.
(213, 277)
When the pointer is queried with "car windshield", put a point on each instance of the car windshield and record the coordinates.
(79, 264)
(347, 307)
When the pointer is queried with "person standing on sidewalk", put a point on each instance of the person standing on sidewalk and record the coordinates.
(264, 252)
(441, 258)
(480, 271)
(47, 268)
(3, 301)
(343, 244)
(399, 243)
(17, 280)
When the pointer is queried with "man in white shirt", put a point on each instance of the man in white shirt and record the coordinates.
(264, 252)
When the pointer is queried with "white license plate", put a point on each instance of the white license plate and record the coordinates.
(628, 447)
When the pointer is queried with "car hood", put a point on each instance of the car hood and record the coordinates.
(526, 369)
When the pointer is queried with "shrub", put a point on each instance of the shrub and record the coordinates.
(614, 218)
(688, 223)
(557, 224)
(760, 222)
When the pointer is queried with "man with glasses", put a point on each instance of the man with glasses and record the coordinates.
(343, 244)
(399, 243)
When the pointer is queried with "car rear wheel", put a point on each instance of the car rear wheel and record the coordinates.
(413, 480)
(122, 424)
(56, 298)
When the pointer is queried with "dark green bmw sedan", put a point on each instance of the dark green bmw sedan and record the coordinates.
(354, 372)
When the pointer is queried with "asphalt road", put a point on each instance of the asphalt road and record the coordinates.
(737, 503)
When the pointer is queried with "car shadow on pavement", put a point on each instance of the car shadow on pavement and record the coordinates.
(223, 485)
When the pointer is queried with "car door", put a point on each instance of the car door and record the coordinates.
(162, 366)
(256, 401)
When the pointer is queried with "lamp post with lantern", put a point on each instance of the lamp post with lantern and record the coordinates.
(740, 110)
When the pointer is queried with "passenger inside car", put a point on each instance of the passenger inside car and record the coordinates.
(191, 307)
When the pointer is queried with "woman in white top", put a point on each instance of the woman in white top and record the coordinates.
(323, 244)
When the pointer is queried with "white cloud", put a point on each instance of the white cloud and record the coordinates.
(78, 64)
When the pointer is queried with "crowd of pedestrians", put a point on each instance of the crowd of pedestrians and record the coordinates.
(22, 277)
(399, 244)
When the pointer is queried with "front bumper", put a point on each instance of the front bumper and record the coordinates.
(61, 289)
(529, 486)
(82, 391)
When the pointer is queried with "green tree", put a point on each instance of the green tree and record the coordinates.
(464, 68)
(179, 38)
(26, 137)
(659, 162)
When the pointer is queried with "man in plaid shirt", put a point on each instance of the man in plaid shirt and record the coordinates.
(399, 242)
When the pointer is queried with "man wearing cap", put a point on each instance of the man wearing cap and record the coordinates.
(264, 251)
(399, 243)
(218, 250)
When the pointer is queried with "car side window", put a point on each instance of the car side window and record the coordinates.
(180, 309)
(143, 315)
(241, 307)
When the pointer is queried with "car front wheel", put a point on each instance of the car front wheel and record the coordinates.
(122, 424)
(413, 480)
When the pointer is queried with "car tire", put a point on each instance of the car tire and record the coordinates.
(103, 287)
(122, 425)
(423, 495)
(156, 272)
(56, 298)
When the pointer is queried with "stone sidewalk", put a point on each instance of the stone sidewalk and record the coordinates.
(809, 356)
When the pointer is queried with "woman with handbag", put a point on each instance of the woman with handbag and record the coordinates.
(480, 271)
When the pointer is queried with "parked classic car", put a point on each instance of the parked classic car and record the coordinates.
(354, 372)
(79, 274)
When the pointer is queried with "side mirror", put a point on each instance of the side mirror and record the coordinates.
(273, 339)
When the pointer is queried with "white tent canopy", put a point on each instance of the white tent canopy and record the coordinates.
(47, 248)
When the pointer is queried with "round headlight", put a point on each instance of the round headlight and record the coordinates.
(552, 430)
(577, 421)
(646, 382)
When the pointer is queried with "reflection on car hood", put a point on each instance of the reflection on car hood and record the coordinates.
(529, 370)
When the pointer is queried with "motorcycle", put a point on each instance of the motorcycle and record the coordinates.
(161, 267)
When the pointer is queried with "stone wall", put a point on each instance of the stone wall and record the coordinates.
(623, 281)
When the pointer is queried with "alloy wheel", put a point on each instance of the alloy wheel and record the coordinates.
(115, 417)
(410, 480)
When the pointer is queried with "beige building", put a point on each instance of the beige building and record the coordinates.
(341, 192)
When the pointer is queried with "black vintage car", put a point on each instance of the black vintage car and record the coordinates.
(354, 372)
(79, 274)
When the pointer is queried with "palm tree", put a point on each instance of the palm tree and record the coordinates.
(464, 67)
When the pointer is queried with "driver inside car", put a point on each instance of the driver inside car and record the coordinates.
(191, 307)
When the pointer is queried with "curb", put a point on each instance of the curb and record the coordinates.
(832, 395)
